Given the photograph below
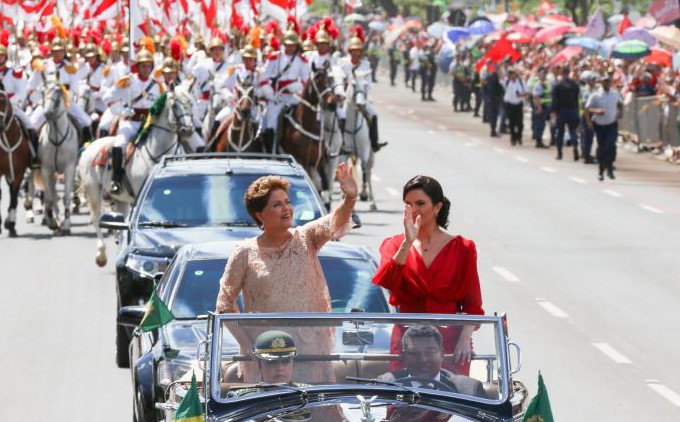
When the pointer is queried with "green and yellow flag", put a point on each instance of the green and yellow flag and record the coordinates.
(190, 409)
(157, 314)
(539, 408)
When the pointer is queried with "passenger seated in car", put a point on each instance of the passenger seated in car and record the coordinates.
(423, 356)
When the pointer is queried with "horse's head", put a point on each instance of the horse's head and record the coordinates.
(5, 110)
(85, 98)
(179, 102)
(359, 86)
(245, 99)
(322, 84)
(56, 98)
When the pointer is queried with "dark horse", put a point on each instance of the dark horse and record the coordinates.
(302, 130)
(15, 155)
(238, 133)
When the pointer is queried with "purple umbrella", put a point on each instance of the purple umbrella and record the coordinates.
(641, 34)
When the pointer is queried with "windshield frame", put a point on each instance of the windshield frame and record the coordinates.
(215, 322)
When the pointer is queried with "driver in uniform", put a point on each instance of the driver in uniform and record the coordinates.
(423, 356)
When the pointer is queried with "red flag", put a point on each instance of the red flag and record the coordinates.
(499, 52)
(625, 24)
(210, 13)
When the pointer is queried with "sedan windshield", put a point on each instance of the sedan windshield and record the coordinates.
(214, 200)
(349, 282)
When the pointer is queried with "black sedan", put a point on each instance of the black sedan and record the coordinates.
(194, 199)
(190, 287)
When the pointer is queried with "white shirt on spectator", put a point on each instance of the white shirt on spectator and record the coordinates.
(514, 91)
(414, 55)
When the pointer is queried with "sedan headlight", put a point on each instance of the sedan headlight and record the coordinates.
(147, 266)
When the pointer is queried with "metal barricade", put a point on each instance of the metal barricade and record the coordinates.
(649, 121)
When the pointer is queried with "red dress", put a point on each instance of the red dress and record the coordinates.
(450, 285)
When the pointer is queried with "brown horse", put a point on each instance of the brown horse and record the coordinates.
(302, 132)
(15, 155)
(238, 133)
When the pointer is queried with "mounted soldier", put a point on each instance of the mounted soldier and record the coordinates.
(15, 85)
(357, 66)
(210, 74)
(244, 73)
(60, 69)
(93, 77)
(138, 92)
(282, 80)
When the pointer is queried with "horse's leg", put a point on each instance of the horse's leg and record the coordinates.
(11, 222)
(29, 193)
(69, 181)
(368, 179)
(50, 195)
(92, 187)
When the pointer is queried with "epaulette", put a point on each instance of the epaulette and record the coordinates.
(106, 71)
(71, 69)
(231, 70)
(123, 82)
(273, 55)
(158, 73)
(38, 65)
(18, 73)
(161, 90)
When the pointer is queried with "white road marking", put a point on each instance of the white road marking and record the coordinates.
(613, 193)
(507, 275)
(521, 159)
(548, 169)
(499, 149)
(376, 178)
(392, 191)
(650, 208)
(612, 353)
(551, 308)
(664, 392)
(577, 180)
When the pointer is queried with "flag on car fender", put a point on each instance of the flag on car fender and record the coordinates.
(157, 313)
(539, 408)
(190, 409)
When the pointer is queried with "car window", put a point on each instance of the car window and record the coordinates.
(216, 199)
(349, 282)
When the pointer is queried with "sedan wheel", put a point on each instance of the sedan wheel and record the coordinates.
(122, 347)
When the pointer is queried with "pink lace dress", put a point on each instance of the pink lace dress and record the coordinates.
(284, 279)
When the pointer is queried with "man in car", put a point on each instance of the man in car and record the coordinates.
(423, 356)
(275, 352)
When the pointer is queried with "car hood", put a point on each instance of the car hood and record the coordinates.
(166, 241)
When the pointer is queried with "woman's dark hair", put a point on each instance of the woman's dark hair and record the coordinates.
(434, 191)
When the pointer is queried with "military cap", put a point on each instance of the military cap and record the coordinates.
(144, 57)
(355, 43)
(91, 50)
(274, 345)
(58, 44)
(216, 42)
(291, 37)
(249, 51)
(170, 65)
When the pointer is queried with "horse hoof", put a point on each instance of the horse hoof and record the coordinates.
(64, 232)
(100, 261)
(374, 207)
(363, 197)
(13, 233)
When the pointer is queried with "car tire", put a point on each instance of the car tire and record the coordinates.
(122, 347)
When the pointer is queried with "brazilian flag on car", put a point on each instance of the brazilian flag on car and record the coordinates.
(539, 408)
(190, 409)
(157, 313)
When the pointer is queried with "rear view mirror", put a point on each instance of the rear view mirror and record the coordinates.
(357, 338)
(113, 221)
(131, 316)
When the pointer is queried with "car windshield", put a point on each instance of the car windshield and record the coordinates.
(345, 350)
(215, 199)
(349, 283)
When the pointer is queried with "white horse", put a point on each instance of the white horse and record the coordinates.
(58, 153)
(172, 126)
(356, 141)
(331, 135)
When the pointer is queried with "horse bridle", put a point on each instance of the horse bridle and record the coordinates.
(56, 97)
(173, 130)
(246, 101)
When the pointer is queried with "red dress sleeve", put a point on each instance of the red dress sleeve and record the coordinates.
(472, 300)
(389, 273)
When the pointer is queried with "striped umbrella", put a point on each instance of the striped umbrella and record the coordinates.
(630, 49)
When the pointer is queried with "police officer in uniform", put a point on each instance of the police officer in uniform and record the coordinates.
(275, 352)
(541, 96)
(138, 92)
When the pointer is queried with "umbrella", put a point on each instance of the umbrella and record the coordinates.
(377, 26)
(565, 55)
(523, 29)
(646, 22)
(518, 38)
(585, 42)
(660, 57)
(630, 49)
(556, 20)
(607, 45)
(446, 55)
(481, 27)
(642, 34)
(667, 34)
(456, 33)
(355, 17)
(552, 33)
(436, 30)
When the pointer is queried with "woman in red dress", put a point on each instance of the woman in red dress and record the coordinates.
(428, 270)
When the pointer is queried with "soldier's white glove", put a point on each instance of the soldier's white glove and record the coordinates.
(266, 91)
(294, 87)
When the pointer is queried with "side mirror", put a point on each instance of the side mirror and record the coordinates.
(113, 221)
(131, 316)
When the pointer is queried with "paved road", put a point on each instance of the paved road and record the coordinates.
(584, 269)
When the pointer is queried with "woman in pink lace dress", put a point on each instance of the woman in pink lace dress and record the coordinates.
(279, 270)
